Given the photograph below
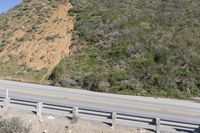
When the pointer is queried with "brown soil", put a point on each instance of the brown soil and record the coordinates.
(39, 53)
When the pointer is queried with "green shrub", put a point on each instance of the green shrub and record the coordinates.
(143, 47)
(15, 125)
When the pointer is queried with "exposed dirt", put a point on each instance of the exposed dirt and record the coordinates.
(39, 53)
(58, 124)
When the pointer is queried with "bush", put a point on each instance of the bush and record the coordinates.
(15, 125)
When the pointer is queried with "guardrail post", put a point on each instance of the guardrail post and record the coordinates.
(7, 93)
(114, 116)
(75, 114)
(157, 125)
(39, 109)
(6, 103)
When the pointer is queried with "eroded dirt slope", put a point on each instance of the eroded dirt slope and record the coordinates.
(35, 36)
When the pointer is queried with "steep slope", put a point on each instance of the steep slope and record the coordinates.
(35, 36)
(142, 47)
(139, 47)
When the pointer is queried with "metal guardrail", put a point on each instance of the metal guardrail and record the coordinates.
(113, 118)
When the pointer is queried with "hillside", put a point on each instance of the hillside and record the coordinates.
(34, 37)
(139, 47)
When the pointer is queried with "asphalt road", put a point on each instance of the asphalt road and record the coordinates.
(172, 109)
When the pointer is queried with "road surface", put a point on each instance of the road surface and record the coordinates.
(146, 106)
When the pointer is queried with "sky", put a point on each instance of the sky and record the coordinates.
(7, 4)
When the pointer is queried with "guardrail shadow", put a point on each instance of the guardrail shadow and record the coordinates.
(197, 130)
(186, 131)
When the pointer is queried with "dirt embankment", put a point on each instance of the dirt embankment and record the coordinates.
(59, 124)
(48, 44)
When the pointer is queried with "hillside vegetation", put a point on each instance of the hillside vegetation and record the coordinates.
(137, 47)
(142, 47)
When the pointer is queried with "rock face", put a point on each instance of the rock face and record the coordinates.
(34, 37)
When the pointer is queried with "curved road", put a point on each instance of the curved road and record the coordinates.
(171, 109)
